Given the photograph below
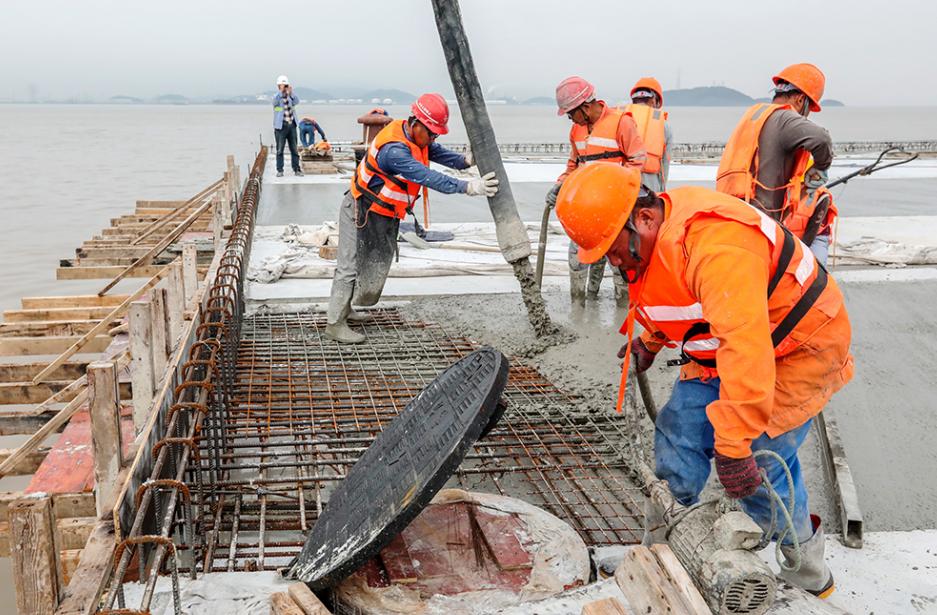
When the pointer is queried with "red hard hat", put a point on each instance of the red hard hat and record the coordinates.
(807, 78)
(572, 92)
(649, 83)
(433, 112)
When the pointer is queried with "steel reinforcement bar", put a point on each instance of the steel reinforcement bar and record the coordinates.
(164, 504)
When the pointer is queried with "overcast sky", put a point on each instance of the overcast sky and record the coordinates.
(877, 53)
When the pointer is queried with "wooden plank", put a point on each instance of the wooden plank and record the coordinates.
(70, 301)
(158, 333)
(189, 270)
(105, 431)
(27, 464)
(68, 560)
(58, 391)
(47, 314)
(100, 327)
(177, 211)
(83, 592)
(282, 604)
(18, 372)
(641, 580)
(4, 538)
(18, 423)
(500, 534)
(110, 252)
(41, 434)
(33, 553)
(141, 370)
(680, 579)
(217, 221)
(48, 327)
(306, 600)
(51, 345)
(73, 532)
(7, 498)
(106, 273)
(175, 303)
(67, 505)
(605, 606)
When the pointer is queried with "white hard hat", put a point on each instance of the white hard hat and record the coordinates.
(283, 80)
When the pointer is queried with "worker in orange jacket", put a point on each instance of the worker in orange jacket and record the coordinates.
(599, 133)
(777, 159)
(761, 328)
(647, 102)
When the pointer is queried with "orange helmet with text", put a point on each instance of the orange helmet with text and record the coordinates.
(594, 204)
(649, 83)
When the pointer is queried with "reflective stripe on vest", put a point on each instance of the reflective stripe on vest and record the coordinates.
(397, 196)
(666, 304)
(651, 127)
(602, 142)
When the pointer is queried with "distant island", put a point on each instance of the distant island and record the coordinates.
(720, 96)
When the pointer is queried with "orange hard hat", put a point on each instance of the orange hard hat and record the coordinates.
(572, 92)
(807, 78)
(649, 83)
(594, 204)
(433, 112)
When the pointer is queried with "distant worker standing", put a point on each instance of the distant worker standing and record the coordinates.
(762, 330)
(284, 124)
(647, 101)
(385, 186)
(308, 127)
(599, 133)
(777, 159)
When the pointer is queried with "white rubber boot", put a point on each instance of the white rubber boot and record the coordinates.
(813, 576)
(577, 285)
(339, 307)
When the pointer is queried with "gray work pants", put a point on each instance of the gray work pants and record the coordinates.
(366, 246)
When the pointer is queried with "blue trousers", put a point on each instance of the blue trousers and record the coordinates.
(307, 135)
(684, 448)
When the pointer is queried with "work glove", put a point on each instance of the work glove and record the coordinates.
(486, 185)
(641, 355)
(551, 198)
(815, 178)
(740, 477)
(469, 158)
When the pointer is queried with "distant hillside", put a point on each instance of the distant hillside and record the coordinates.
(171, 99)
(540, 100)
(311, 94)
(120, 98)
(709, 96)
(399, 97)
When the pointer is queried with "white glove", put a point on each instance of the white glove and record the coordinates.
(486, 185)
(469, 158)
(815, 178)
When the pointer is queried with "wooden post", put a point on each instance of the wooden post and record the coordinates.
(306, 600)
(141, 367)
(175, 302)
(35, 565)
(105, 432)
(227, 195)
(217, 222)
(158, 334)
(189, 270)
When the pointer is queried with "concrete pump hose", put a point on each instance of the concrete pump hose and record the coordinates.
(787, 511)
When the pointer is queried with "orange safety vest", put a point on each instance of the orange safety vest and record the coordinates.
(602, 142)
(650, 123)
(738, 172)
(397, 195)
(663, 300)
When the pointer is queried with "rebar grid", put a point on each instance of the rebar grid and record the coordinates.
(303, 409)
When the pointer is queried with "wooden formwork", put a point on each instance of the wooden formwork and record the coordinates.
(79, 374)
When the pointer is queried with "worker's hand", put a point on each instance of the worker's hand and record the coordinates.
(486, 185)
(641, 355)
(740, 477)
(815, 178)
(469, 158)
(551, 200)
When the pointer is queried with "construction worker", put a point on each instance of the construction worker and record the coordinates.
(647, 101)
(384, 188)
(308, 127)
(777, 159)
(599, 133)
(762, 330)
(284, 124)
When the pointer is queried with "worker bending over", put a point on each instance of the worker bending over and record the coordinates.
(308, 127)
(762, 330)
(384, 188)
(599, 133)
(647, 101)
(778, 160)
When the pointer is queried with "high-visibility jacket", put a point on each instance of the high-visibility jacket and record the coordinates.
(613, 138)
(397, 196)
(688, 298)
(738, 173)
(650, 122)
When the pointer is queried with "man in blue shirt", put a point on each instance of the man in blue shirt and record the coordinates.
(284, 124)
(308, 127)
(386, 185)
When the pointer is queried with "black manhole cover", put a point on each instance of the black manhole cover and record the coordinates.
(405, 466)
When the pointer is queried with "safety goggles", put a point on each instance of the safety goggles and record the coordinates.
(570, 114)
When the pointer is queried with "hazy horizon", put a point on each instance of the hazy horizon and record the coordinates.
(104, 48)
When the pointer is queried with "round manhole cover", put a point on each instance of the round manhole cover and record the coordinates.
(403, 469)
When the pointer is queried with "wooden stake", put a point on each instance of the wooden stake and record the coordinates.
(217, 222)
(158, 334)
(141, 370)
(175, 302)
(35, 566)
(306, 600)
(105, 432)
(189, 271)
(43, 432)
(281, 604)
